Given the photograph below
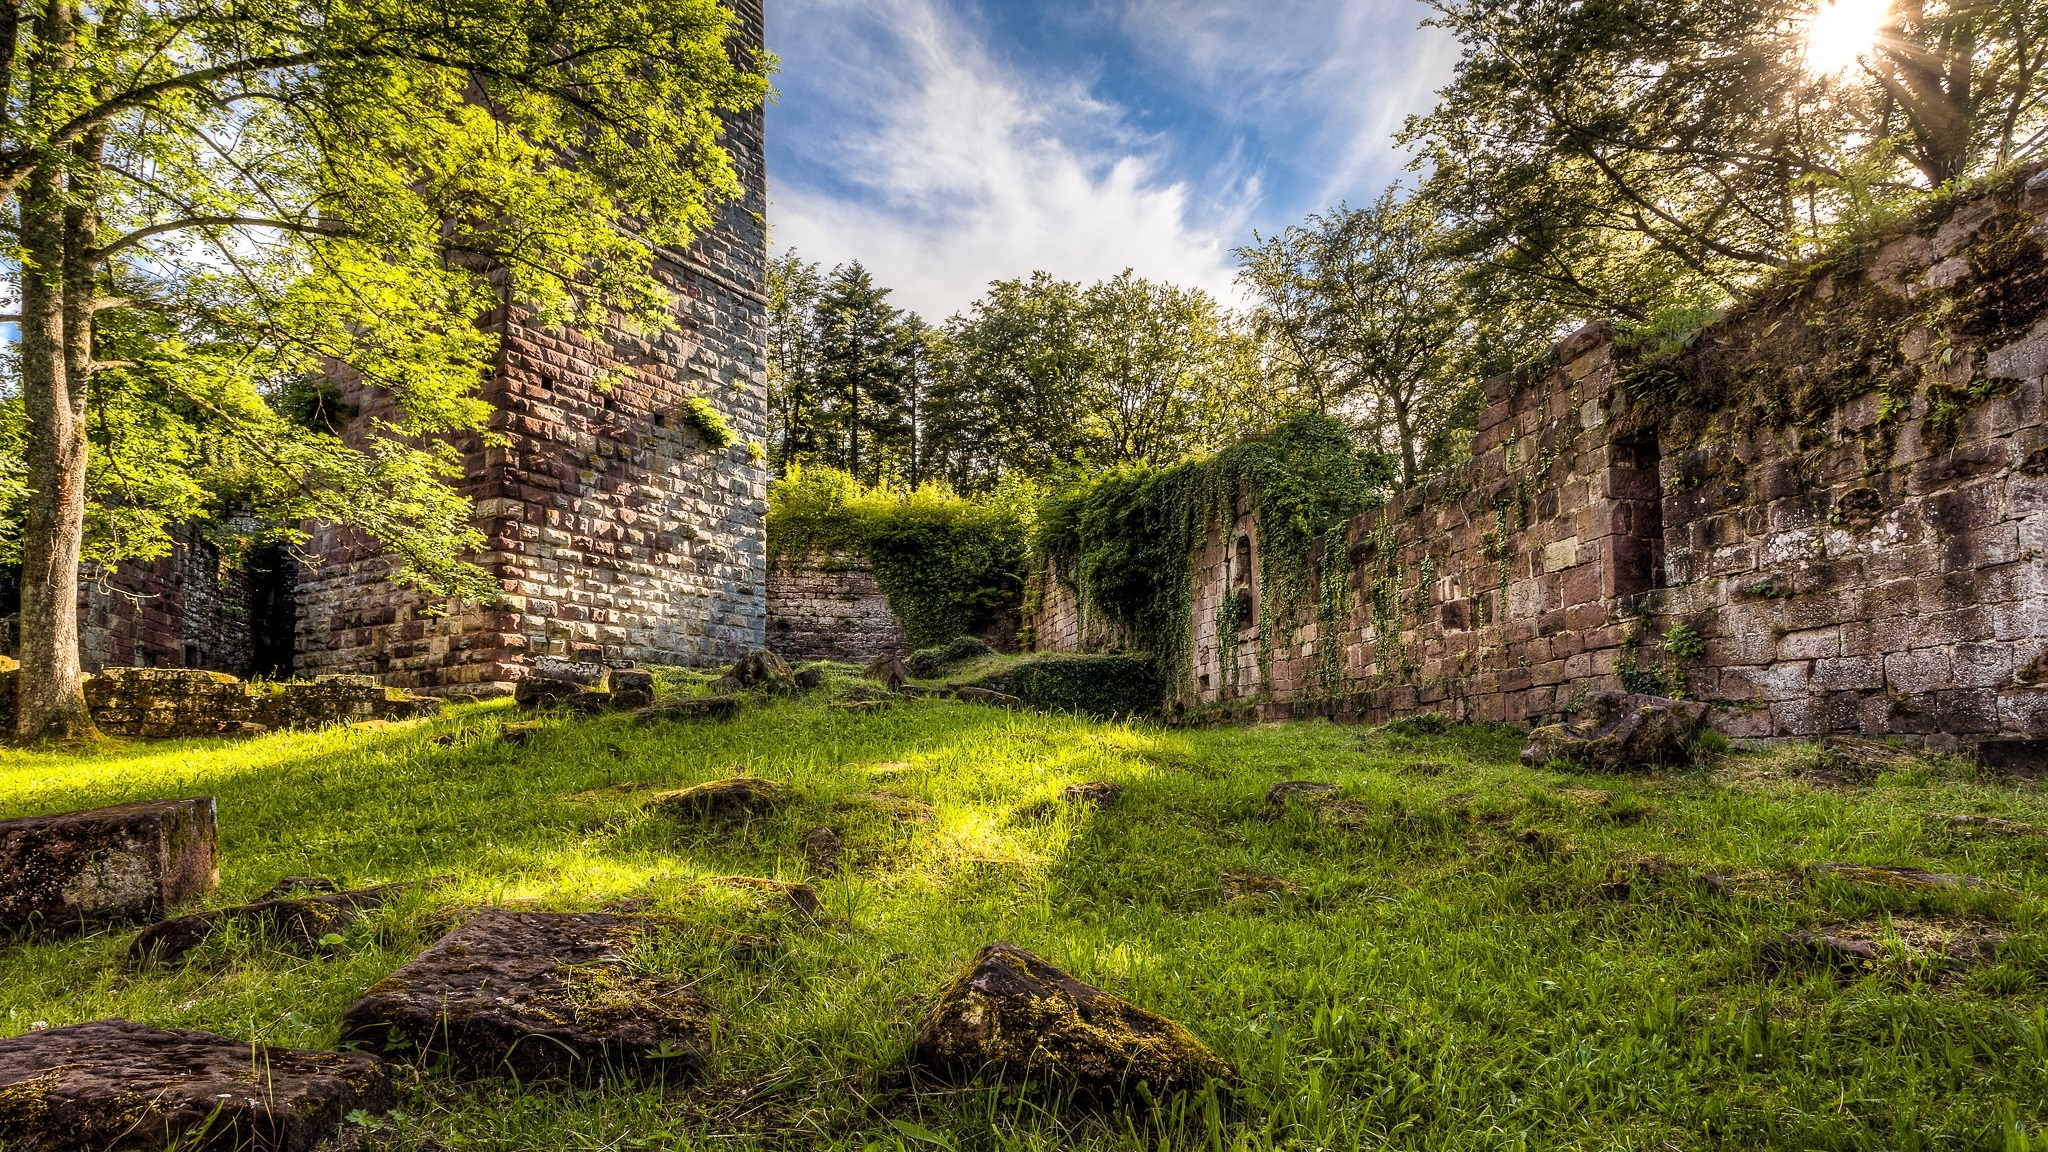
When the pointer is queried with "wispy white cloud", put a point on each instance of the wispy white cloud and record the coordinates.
(949, 169)
(1344, 74)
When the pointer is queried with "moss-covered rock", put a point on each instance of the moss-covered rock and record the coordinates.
(733, 796)
(1012, 1014)
(1620, 732)
(541, 995)
(759, 671)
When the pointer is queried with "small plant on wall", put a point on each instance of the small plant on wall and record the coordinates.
(698, 413)
(1232, 614)
(1682, 645)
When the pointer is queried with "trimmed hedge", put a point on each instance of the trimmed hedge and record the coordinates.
(1093, 685)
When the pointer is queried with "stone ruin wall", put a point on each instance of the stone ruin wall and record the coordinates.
(189, 609)
(1895, 590)
(829, 607)
(610, 521)
(1491, 590)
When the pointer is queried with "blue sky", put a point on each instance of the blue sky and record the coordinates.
(946, 143)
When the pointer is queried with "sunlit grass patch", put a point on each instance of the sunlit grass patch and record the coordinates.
(1450, 951)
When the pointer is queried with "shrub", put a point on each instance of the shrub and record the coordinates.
(932, 661)
(950, 565)
(1092, 685)
(708, 421)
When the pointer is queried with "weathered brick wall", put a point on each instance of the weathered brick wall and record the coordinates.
(610, 520)
(1493, 591)
(1882, 565)
(830, 608)
(187, 609)
(1854, 524)
(1057, 618)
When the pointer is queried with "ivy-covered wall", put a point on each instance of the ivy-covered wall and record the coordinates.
(1494, 590)
(1827, 512)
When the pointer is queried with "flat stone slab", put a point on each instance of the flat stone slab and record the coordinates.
(298, 921)
(1898, 877)
(541, 995)
(131, 862)
(1310, 791)
(1012, 1014)
(1098, 793)
(113, 1084)
(693, 708)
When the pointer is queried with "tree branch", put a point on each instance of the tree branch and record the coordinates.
(143, 234)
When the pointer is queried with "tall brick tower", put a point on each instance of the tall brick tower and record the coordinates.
(610, 520)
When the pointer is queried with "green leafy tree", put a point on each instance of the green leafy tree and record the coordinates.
(1629, 157)
(1375, 323)
(863, 368)
(212, 204)
(794, 290)
(1010, 393)
(1160, 361)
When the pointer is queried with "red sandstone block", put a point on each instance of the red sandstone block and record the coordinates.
(131, 862)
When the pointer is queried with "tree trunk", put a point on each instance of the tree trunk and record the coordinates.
(50, 697)
(1406, 434)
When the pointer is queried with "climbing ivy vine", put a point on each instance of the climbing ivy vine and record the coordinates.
(1126, 537)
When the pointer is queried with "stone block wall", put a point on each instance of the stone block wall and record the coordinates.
(610, 520)
(1838, 499)
(1493, 591)
(1881, 565)
(190, 609)
(1057, 618)
(830, 608)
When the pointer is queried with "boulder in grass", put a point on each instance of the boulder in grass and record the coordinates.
(553, 680)
(127, 863)
(632, 688)
(730, 797)
(822, 848)
(888, 670)
(1621, 732)
(1012, 1014)
(302, 922)
(539, 995)
(758, 671)
(113, 1084)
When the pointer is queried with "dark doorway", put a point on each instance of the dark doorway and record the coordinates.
(273, 613)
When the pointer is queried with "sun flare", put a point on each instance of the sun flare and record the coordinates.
(1841, 32)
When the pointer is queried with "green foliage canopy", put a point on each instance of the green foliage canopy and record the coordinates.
(1629, 157)
(949, 565)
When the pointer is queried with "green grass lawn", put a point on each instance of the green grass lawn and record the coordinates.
(1457, 953)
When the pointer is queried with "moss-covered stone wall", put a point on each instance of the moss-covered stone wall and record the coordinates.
(1827, 512)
